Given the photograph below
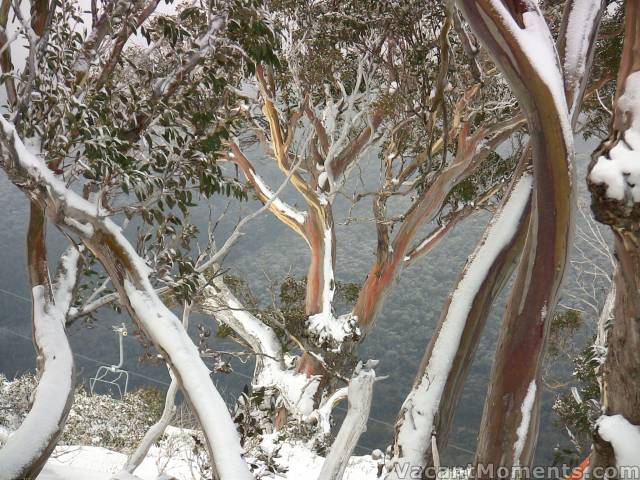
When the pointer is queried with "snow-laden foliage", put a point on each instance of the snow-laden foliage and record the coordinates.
(118, 128)
(98, 420)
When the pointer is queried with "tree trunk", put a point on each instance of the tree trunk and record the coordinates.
(429, 408)
(615, 203)
(320, 234)
(511, 32)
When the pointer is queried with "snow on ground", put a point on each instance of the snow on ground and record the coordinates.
(174, 458)
(295, 461)
(302, 462)
(97, 463)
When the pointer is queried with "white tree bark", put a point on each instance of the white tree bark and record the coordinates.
(354, 424)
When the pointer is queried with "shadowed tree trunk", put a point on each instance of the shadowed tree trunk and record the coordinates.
(511, 32)
(615, 202)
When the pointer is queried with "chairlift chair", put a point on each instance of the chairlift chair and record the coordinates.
(113, 375)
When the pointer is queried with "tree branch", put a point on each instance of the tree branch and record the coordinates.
(130, 276)
(28, 448)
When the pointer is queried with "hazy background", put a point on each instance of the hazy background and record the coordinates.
(267, 253)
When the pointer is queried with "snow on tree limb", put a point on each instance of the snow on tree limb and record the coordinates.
(156, 430)
(442, 374)
(219, 302)
(518, 39)
(66, 280)
(625, 439)
(617, 170)
(287, 214)
(360, 391)
(130, 274)
(296, 389)
(576, 45)
(322, 415)
(27, 449)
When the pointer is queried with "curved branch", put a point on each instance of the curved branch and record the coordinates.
(285, 213)
(28, 448)
(518, 39)
(130, 276)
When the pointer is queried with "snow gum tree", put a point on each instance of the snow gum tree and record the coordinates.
(612, 181)
(128, 115)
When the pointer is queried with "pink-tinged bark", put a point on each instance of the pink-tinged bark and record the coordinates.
(429, 407)
(518, 39)
(577, 52)
(391, 259)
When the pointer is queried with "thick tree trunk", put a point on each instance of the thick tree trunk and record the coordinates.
(429, 408)
(621, 369)
(437, 390)
(616, 203)
(510, 31)
(320, 234)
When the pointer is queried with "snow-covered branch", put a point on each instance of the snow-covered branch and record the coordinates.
(221, 304)
(67, 276)
(286, 213)
(130, 276)
(576, 45)
(430, 405)
(157, 429)
(360, 391)
(296, 389)
(27, 449)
